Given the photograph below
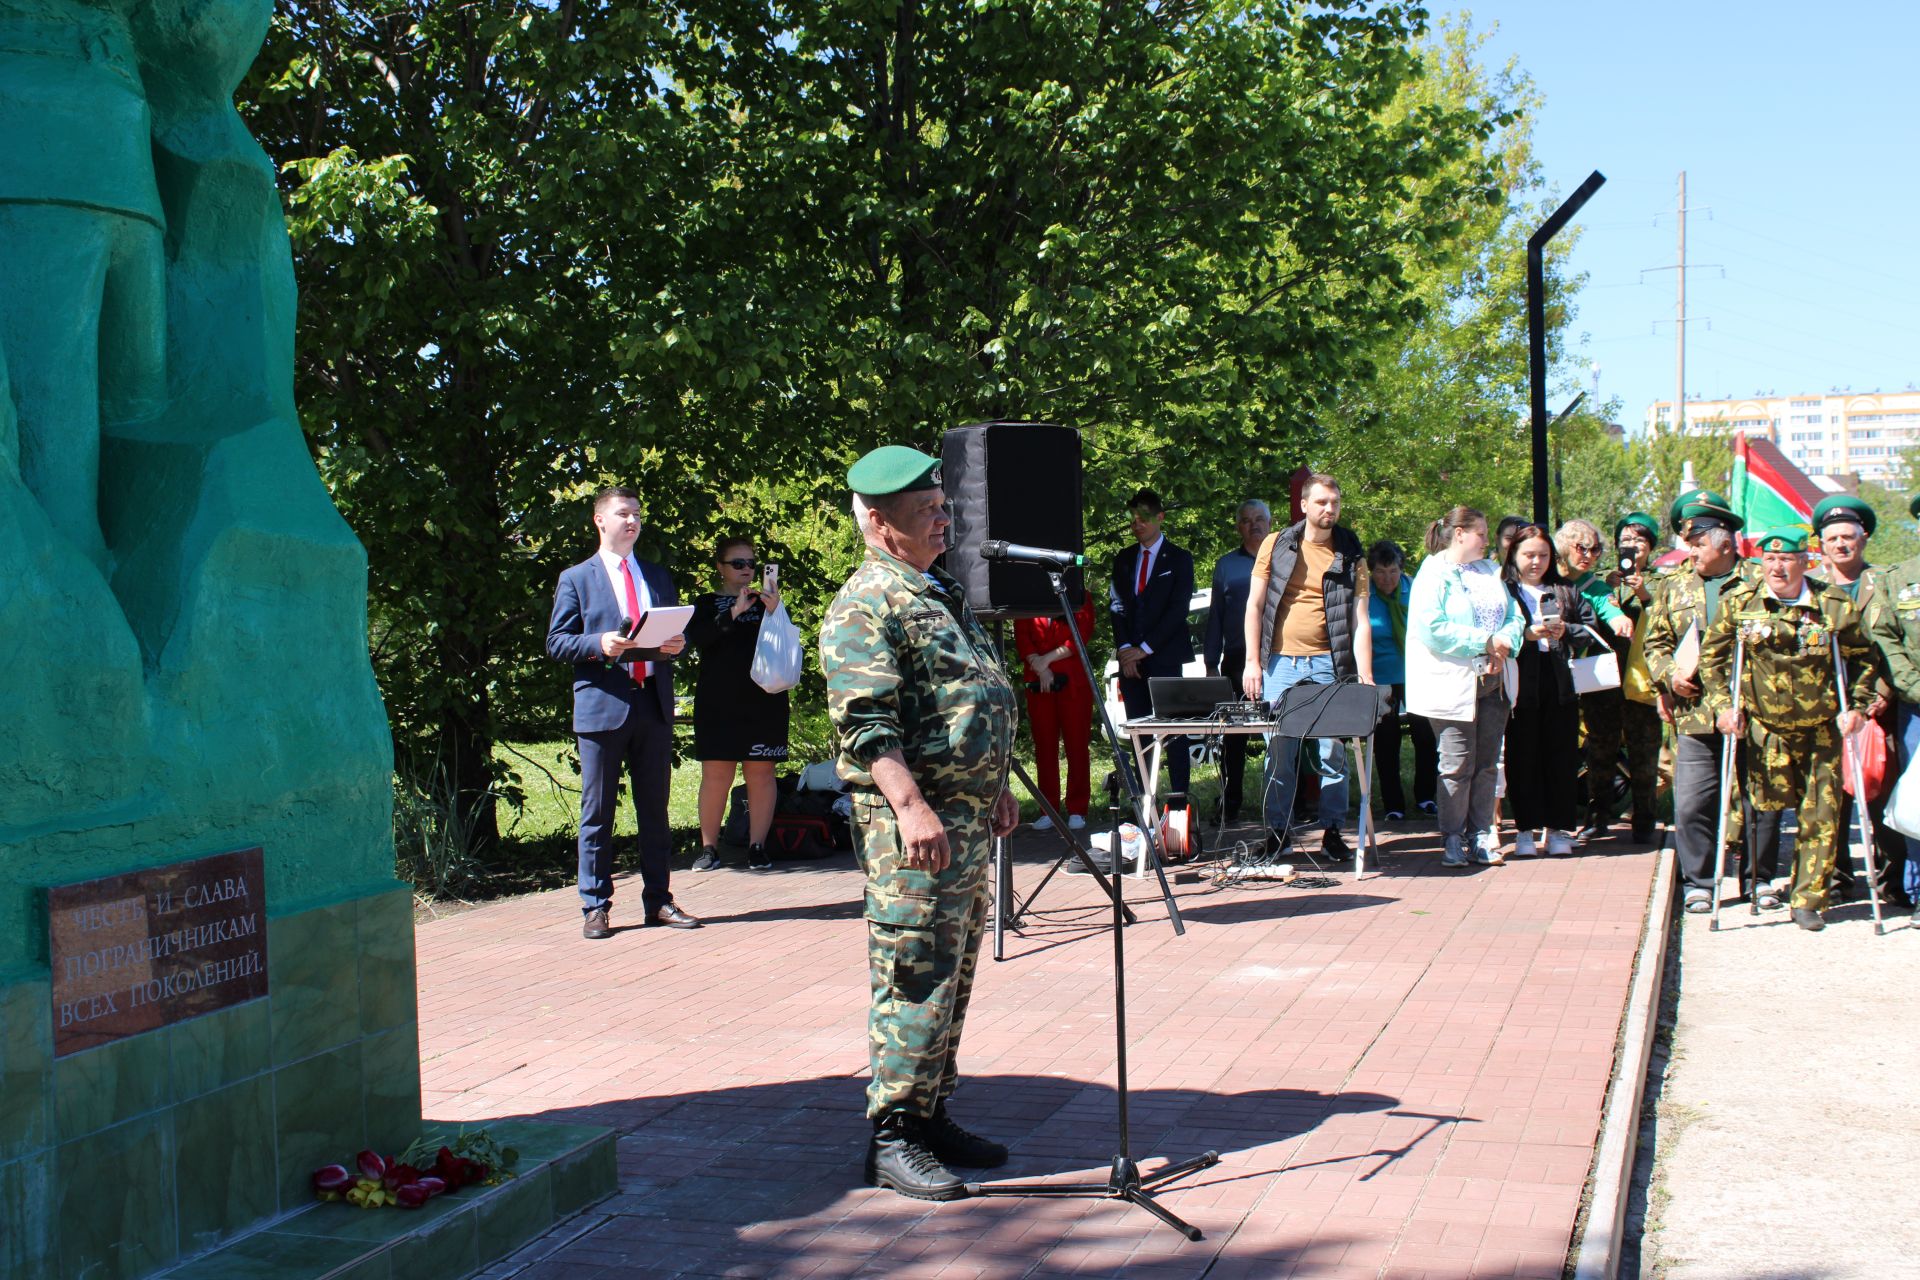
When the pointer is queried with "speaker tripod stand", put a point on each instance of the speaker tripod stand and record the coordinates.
(1124, 1179)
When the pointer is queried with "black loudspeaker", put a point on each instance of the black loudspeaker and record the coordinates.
(1019, 482)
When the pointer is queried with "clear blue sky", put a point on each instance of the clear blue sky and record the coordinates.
(1799, 128)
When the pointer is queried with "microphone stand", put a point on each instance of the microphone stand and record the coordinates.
(1124, 1180)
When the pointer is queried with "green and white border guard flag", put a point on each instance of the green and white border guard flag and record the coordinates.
(1763, 494)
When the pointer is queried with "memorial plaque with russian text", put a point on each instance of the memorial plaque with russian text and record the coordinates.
(142, 950)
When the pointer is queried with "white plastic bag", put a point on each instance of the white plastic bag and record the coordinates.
(1601, 671)
(777, 655)
(1903, 806)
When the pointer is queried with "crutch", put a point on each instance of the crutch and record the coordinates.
(1852, 757)
(1727, 744)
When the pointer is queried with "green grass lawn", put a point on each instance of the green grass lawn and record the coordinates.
(537, 842)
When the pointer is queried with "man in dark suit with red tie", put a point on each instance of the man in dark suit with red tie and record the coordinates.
(622, 709)
(1151, 594)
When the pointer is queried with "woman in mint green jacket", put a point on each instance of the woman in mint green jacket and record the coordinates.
(1462, 630)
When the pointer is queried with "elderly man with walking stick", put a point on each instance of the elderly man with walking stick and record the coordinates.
(1804, 649)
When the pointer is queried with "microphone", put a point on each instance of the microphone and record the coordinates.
(998, 549)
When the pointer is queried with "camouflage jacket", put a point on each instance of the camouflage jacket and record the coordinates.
(1788, 679)
(1679, 605)
(910, 669)
(1893, 622)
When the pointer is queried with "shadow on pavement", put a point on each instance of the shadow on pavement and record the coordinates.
(768, 1177)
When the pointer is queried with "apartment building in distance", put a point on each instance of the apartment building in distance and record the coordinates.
(1821, 433)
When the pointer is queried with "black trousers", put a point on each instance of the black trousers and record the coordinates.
(1386, 753)
(643, 746)
(1696, 814)
(1543, 764)
(1233, 746)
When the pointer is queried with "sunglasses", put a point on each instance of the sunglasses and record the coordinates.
(1587, 548)
(740, 562)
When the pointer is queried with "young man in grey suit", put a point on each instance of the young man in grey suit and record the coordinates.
(622, 709)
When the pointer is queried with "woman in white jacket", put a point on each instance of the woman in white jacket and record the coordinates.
(1462, 630)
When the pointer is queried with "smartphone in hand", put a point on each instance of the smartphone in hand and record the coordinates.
(770, 577)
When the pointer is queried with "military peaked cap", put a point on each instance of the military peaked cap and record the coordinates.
(1707, 510)
(1786, 538)
(1844, 508)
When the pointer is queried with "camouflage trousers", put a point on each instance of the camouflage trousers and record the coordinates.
(923, 942)
(1798, 768)
(1610, 718)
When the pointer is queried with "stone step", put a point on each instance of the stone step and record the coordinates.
(563, 1168)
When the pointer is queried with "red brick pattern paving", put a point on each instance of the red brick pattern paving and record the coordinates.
(1403, 1076)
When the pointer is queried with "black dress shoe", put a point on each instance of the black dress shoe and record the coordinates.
(1643, 831)
(955, 1146)
(673, 918)
(596, 925)
(1808, 919)
(899, 1159)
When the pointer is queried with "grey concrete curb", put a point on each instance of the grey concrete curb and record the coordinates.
(1598, 1257)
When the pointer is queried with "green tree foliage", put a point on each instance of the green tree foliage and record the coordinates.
(1444, 420)
(720, 247)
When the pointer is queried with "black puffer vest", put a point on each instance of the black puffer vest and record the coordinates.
(1339, 587)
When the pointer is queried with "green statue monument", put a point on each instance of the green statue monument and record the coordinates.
(183, 673)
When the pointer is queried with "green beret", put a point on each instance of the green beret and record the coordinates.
(1680, 503)
(893, 468)
(1707, 510)
(1844, 508)
(1789, 537)
(1642, 519)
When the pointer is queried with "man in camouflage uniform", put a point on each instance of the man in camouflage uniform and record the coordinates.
(1686, 603)
(924, 714)
(1610, 717)
(1893, 621)
(1843, 524)
(1787, 707)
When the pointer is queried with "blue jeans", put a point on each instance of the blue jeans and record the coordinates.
(1283, 754)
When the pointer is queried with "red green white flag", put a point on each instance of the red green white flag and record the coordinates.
(1767, 492)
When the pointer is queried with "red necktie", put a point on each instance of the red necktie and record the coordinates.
(638, 670)
(1140, 588)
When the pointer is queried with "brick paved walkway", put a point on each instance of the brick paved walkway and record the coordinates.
(1403, 1077)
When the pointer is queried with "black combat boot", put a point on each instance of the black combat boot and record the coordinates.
(898, 1159)
(1810, 920)
(956, 1146)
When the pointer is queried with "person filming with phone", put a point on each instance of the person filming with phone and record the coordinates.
(737, 725)
(622, 708)
(1543, 731)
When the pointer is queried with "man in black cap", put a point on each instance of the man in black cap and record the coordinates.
(1844, 523)
(1677, 623)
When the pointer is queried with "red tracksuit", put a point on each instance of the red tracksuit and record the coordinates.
(1065, 712)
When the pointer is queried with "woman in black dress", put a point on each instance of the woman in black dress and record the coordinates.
(736, 723)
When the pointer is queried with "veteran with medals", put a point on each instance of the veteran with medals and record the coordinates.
(924, 714)
(1787, 708)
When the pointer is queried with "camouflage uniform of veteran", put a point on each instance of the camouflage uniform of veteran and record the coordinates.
(1787, 707)
(1683, 603)
(1845, 524)
(925, 717)
(1611, 718)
